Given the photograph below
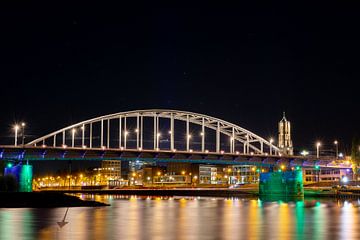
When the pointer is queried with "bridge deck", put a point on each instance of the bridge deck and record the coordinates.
(32, 153)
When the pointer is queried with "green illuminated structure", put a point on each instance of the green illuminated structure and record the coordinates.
(23, 175)
(289, 184)
(25, 178)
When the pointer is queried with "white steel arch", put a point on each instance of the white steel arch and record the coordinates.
(250, 142)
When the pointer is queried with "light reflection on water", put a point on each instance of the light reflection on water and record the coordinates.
(131, 217)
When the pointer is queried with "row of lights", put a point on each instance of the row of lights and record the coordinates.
(271, 140)
(318, 145)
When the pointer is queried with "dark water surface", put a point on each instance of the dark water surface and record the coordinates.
(187, 218)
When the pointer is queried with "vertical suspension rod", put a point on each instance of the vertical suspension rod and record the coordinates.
(203, 135)
(91, 132)
(187, 134)
(172, 132)
(125, 133)
(137, 131)
(102, 133)
(141, 131)
(155, 133)
(108, 134)
(218, 137)
(120, 130)
(83, 135)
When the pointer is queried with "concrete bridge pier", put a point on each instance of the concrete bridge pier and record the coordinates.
(284, 184)
(23, 174)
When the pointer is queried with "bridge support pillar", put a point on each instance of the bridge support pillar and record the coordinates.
(284, 184)
(23, 175)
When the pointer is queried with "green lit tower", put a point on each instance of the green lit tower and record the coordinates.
(284, 141)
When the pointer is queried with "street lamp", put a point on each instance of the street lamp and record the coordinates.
(336, 146)
(16, 128)
(318, 144)
(23, 133)
(304, 153)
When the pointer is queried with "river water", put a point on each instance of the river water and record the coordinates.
(187, 218)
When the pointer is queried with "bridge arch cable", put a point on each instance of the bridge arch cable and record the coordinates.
(239, 139)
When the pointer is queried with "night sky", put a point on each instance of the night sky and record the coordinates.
(243, 64)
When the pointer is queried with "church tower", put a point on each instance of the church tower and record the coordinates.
(284, 141)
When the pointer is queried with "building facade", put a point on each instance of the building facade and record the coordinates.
(311, 175)
(111, 169)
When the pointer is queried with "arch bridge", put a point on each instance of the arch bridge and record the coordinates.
(158, 130)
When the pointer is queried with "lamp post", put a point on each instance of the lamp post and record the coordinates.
(336, 146)
(23, 133)
(318, 144)
(16, 128)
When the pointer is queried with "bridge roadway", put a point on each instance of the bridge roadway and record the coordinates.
(32, 153)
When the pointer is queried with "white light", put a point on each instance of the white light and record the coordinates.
(158, 135)
(140, 148)
(304, 153)
(174, 150)
(44, 146)
(271, 140)
(64, 146)
(157, 149)
(84, 146)
(318, 144)
(252, 153)
(341, 155)
(232, 139)
(201, 134)
(73, 130)
(16, 127)
(191, 150)
(121, 148)
(345, 179)
(103, 147)
(206, 151)
(169, 132)
(336, 142)
(136, 130)
(126, 133)
(23, 124)
(222, 151)
(237, 152)
(189, 136)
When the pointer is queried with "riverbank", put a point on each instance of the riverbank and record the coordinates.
(204, 192)
(43, 200)
(169, 192)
